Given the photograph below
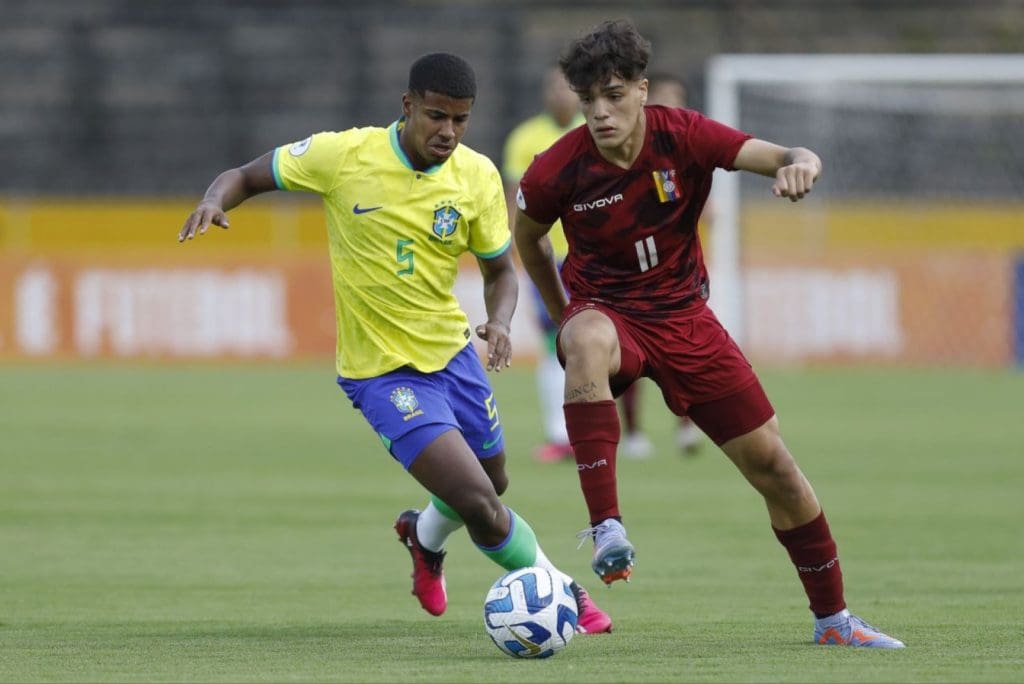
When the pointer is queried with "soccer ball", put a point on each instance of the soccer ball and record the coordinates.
(530, 613)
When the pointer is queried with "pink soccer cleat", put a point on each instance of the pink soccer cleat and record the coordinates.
(427, 574)
(590, 619)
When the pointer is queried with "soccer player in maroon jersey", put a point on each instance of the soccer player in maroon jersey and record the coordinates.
(668, 90)
(629, 188)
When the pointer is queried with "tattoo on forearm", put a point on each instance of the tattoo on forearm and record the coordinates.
(586, 392)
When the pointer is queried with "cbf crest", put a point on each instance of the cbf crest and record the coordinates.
(446, 221)
(405, 401)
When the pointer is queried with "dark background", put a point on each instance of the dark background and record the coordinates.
(153, 97)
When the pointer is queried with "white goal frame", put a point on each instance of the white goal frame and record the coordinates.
(726, 74)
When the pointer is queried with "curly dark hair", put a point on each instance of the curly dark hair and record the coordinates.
(444, 74)
(615, 48)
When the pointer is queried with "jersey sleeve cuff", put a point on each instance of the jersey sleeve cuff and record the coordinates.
(278, 181)
(496, 253)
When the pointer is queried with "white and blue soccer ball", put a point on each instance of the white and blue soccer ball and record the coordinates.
(530, 613)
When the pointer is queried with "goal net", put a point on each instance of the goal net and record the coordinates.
(907, 251)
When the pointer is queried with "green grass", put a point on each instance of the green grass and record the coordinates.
(234, 525)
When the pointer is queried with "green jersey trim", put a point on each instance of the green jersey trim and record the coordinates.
(276, 171)
(498, 252)
(400, 153)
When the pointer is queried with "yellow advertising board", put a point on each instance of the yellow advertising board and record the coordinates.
(895, 284)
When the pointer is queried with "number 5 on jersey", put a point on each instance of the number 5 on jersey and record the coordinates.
(405, 256)
(647, 253)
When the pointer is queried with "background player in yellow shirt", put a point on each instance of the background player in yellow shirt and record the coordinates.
(531, 137)
(402, 204)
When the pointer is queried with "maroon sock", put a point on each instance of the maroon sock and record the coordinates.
(594, 434)
(813, 552)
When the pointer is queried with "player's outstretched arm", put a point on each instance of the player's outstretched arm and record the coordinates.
(227, 191)
(538, 259)
(795, 168)
(501, 290)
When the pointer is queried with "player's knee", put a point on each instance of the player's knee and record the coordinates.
(571, 342)
(588, 338)
(779, 476)
(771, 459)
(480, 510)
(764, 457)
(782, 468)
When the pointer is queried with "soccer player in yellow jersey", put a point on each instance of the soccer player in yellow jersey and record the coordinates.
(402, 204)
(531, 137)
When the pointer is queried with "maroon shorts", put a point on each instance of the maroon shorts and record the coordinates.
(701, 371)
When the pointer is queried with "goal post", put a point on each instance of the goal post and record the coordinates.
(923, 83)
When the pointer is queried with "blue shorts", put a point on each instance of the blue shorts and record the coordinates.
(409, 409)
(547, 326)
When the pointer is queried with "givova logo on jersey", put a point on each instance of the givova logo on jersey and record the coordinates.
(446, 222)
(599, 203)
(405, 401)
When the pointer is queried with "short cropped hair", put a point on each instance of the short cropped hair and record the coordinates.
(615, 48)
(444, 74)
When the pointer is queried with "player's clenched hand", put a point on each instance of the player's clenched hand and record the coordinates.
(205, 215)
(795, 180)
(499, 344)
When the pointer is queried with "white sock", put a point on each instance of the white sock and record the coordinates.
(544, 562)
(551, 385)
(433, 528)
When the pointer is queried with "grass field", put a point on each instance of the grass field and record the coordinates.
(234, 525)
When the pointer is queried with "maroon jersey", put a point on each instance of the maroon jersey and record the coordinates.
(632, 233)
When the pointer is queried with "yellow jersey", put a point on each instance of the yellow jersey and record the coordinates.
(395, 236)
(525, 142)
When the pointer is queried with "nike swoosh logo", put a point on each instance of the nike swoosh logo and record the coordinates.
(488, 445)
(356, 209)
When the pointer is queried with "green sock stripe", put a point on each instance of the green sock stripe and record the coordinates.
(445, 510)
(519, 550)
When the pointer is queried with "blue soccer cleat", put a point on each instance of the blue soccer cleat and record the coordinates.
(613, 554)
(846, 629)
